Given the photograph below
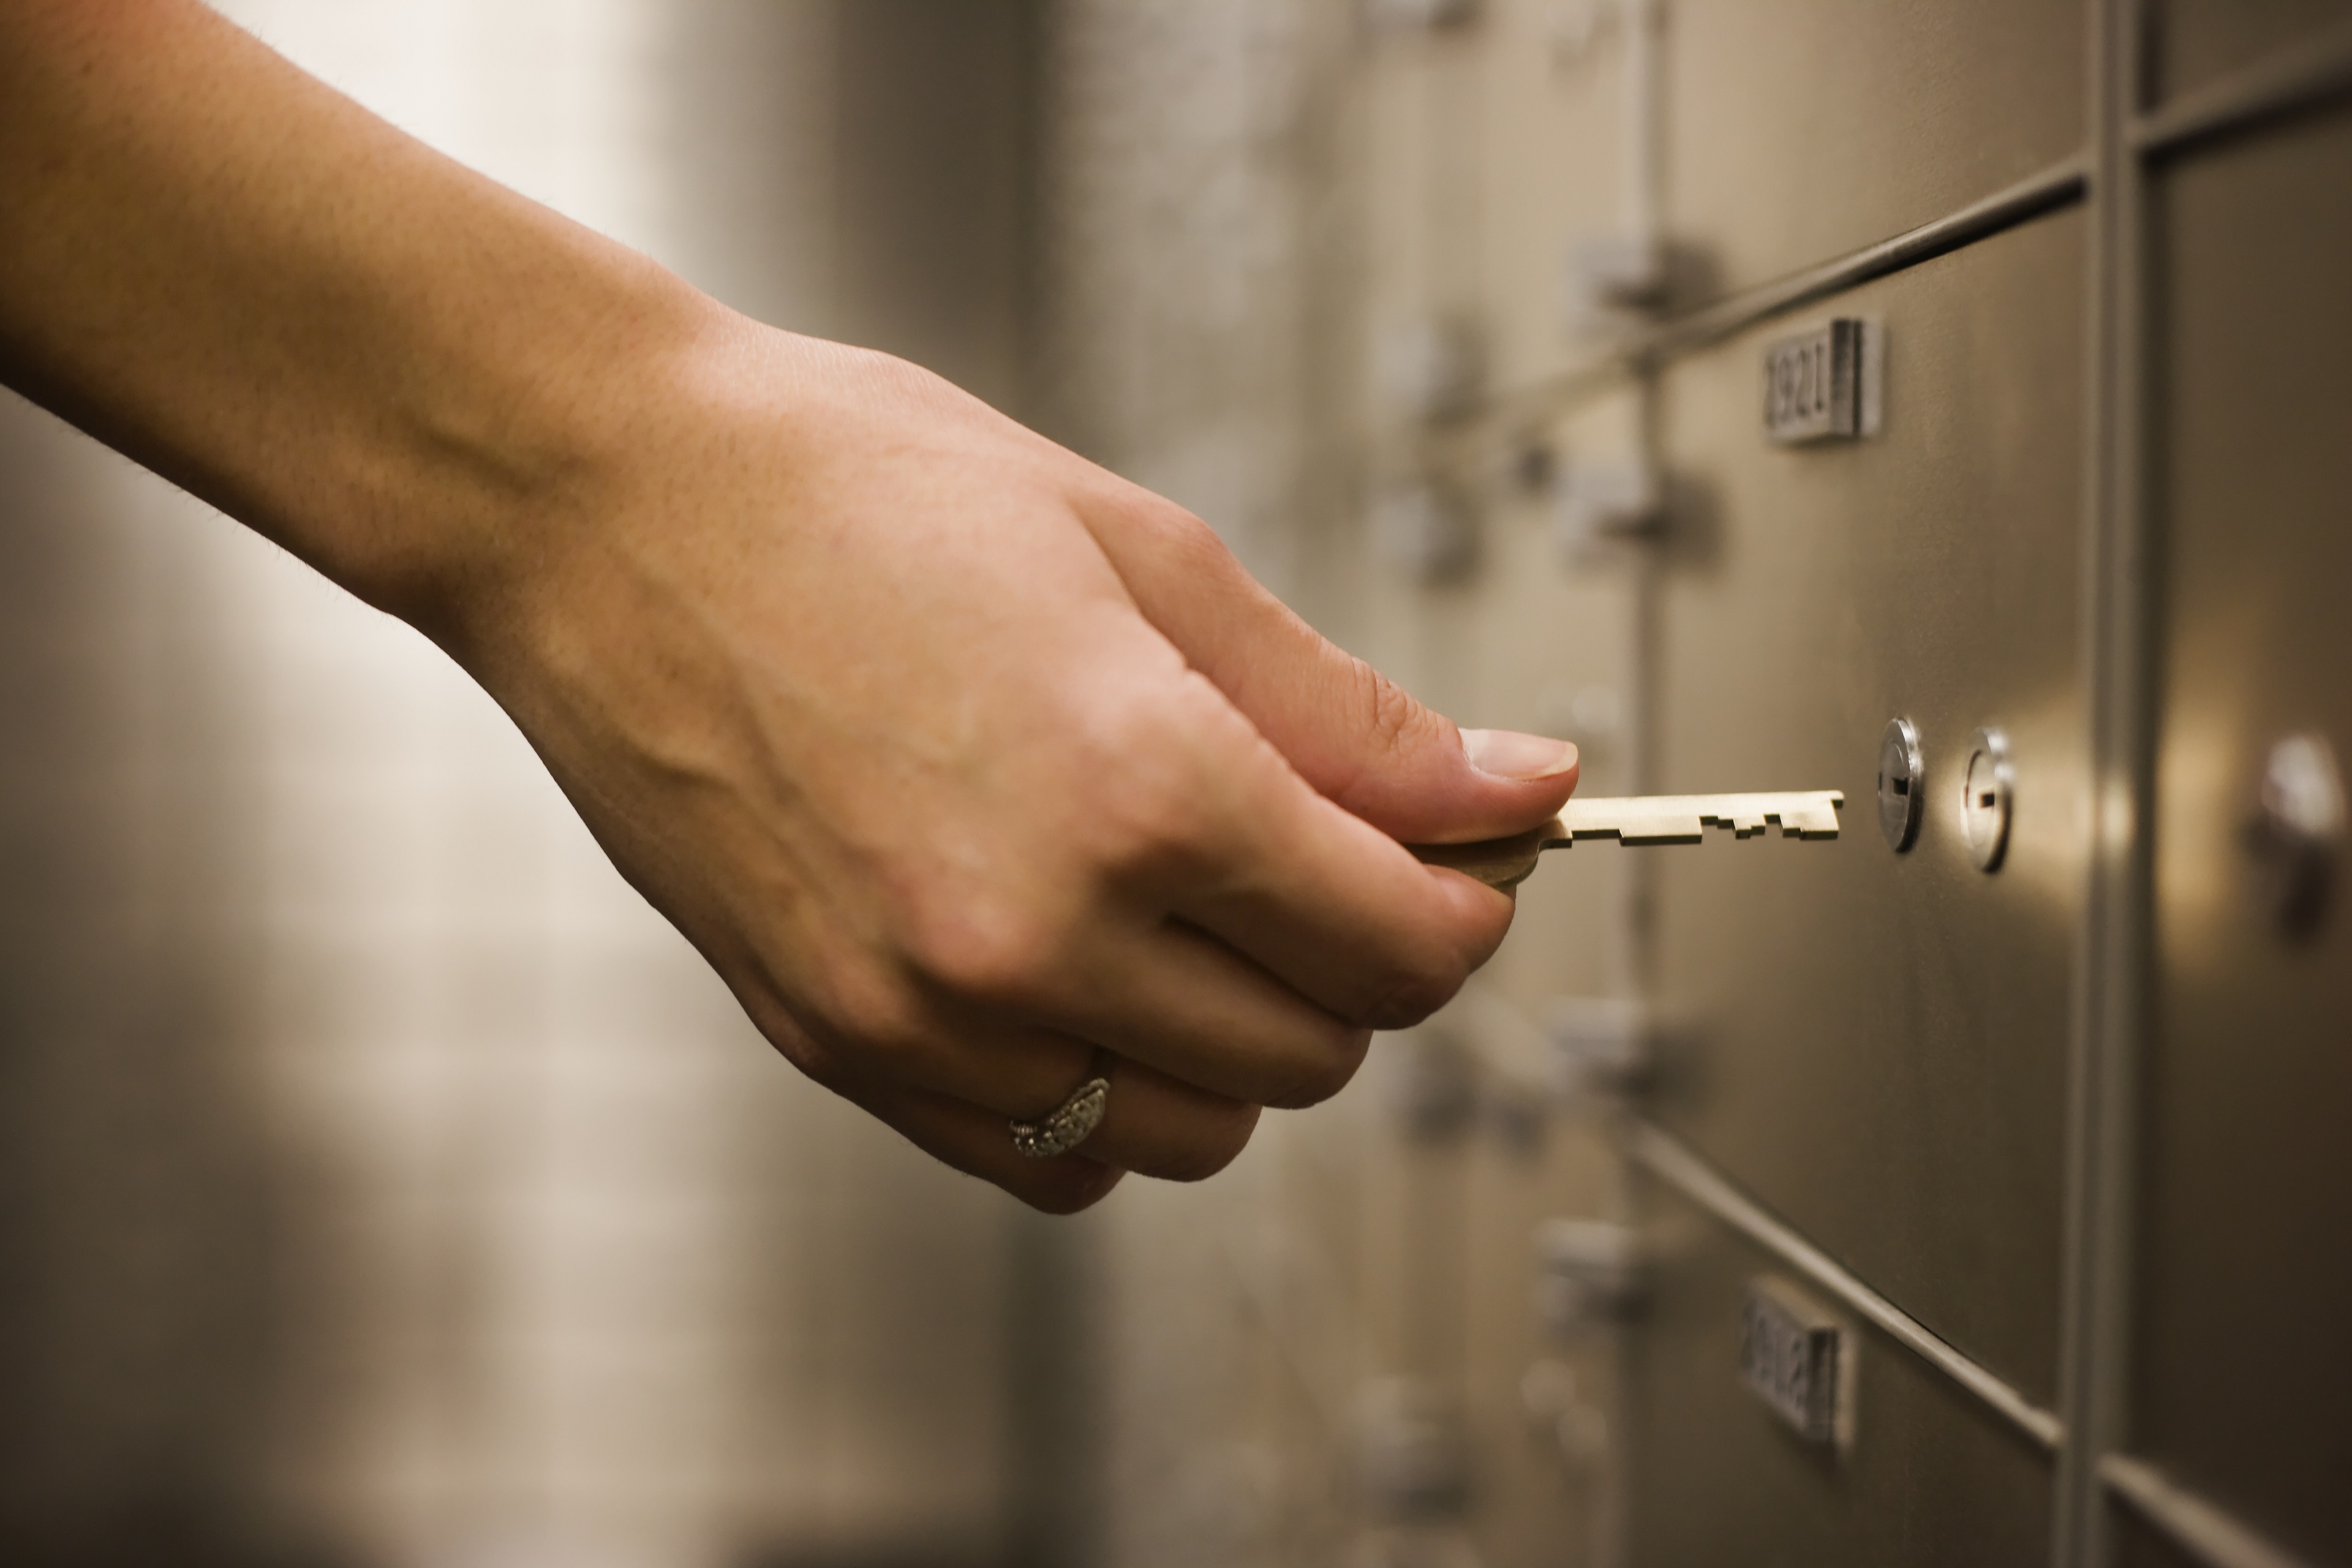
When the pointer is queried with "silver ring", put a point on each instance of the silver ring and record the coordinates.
(1073, 1121)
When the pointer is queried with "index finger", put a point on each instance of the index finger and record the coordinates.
(1327, 903)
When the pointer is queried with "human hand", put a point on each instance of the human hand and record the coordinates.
(958, 756)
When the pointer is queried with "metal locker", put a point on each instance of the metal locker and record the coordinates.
(2195, 43)
(1799, 132)
(1873, 1042)
(1865, 1089)
(2244, 1373)
(2138, 1544)
(1930, 1477)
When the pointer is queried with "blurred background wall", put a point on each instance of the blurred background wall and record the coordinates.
(383, 1181)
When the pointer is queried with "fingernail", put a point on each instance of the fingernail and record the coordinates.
(1508, 754)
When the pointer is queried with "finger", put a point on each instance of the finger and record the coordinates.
(1158, 1126)
(1183, 1005)
(974, 1141)
(1338, 910)
(1356, 737)
(1154, 1124)
(1324, 902)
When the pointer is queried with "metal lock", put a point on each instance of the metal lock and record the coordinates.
(1985, 807)
(1595, 503)
(1420, 15)
(1616, 272)
(1556, 1408)
(1600, 1046)
(1427, 528)
(1430, 368)
(1901, 776)
(1412, 1449)
(1432, 1082)
(2297, 831)
(1593, 1271)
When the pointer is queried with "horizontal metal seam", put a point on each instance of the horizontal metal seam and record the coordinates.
(2317, 70)
(1667, 1157)
(2062, 185)
(2201, 1527)
(2054, 187)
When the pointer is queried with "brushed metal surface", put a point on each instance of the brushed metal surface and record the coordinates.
(2139, 1544)
(2197, 42)
(1874, 1044)
(1798, 131)
(2209, 1533)
(1932, 1476)
(2244, 1368)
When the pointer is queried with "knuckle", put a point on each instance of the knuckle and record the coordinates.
(1410, 994)
(1191, 539)
(992, 948)
(785, 1032)
(1215, 1144)
(1329, 1072)
(878, 1018)
(1393, 719)
(1171, 526)
(1066, 1185)
(1153, 811)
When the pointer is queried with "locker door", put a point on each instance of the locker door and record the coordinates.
(1874, 1043)
(1801, 132)
(2244, 1370)
(1930, 1477)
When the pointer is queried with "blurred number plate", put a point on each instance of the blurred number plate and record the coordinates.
(1813, 384)
(1789, 1355)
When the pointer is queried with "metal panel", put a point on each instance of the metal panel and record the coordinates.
(1873, 1042)
(1800, 132)
(2196, 42)
(2244, 1368)
(2139, 1544)
(1931, 1476)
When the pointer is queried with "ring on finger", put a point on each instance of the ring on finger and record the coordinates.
(1073, 1121)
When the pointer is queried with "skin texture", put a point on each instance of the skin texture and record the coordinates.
(957, 756)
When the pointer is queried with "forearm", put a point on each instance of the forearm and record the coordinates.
(393, 367)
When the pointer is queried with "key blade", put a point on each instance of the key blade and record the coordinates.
(1642, 819)
(1683, 818)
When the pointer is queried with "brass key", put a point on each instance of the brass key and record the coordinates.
(1641, 819)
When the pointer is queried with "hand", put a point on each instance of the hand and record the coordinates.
(958, 756)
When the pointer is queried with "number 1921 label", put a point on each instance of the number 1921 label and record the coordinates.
(1793, 1357)
(1814, 385)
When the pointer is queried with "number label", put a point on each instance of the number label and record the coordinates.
(1792, 1356)
(1815, 384)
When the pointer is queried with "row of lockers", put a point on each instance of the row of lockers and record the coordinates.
(1879, 1048)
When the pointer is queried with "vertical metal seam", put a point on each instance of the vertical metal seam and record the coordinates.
(2109, 1010)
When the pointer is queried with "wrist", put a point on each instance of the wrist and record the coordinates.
(507, 448)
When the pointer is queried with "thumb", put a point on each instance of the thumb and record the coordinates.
(1355, 736)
